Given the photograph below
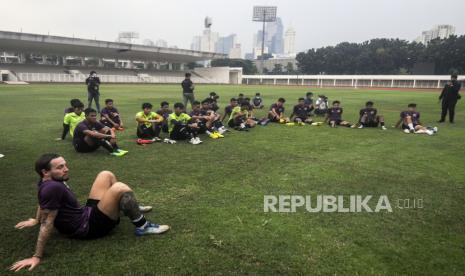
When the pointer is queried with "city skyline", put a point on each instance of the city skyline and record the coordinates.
(336, 20)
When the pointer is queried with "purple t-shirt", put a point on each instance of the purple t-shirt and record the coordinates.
(335, 113)
(81, 127)
(369, 112)
(112, 113)
(228, 109)
(165, 114)
(301, 111)
(278, 109)
(415, 116)
(72, 219)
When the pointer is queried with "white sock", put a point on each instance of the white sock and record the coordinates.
(411, 126)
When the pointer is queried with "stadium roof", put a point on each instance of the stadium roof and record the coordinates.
(67, 46)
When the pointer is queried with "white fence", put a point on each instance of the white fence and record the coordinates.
(80, 78)
(385, 81)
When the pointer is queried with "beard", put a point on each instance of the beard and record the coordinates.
(60, 178)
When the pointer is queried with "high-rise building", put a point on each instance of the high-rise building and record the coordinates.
(439, 31)
(289, 42)
(236, 51)
(273, 37)
(225, 44)
(206, 42)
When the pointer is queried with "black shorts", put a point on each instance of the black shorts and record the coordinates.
(273, 119)
(336, 122)
(100, 224)
(83, 147)
(371, 124)
(145, 132)
(301, 119)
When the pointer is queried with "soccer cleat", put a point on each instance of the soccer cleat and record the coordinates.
(360, 126)
(145, 209)
(290, 124)
(213, 135)
(151, 228)
(169, 141)
(123, 151)
(282, 121)
(219, 135)
(156, 139)
(435, 129)
(192, 141)
(383, 128)
(196, 141)
(406, 131)
(301, 124)
(118, 154)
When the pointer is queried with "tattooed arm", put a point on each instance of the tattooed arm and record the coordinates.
(46, 217)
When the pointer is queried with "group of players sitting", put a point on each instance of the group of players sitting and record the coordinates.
(89, 133)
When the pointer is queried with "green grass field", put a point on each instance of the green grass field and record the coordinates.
(212, 194)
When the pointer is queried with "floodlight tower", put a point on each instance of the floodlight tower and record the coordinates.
(208, 24)
(264, 14)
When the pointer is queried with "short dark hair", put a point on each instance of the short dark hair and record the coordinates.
(247, 99)
(108, 101)
(369, 103)
(147, 105)
(336, 102)
(309, 94)
(282, 100)
(206, 101)
(188, 75)
(179, 105)
(73, 102)
(78, 104)
(233, 100)
(212, 93)
(241, 95)
(454, 76)
(162, 104)
(257, 94)
(43, 163)
(301, 99)
(245, 104)
(89, 110)
(92, 72)
(412, 105)
(195, 103)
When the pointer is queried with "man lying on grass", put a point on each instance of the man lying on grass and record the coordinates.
(59, 208)
(89, 135)
(410, 120)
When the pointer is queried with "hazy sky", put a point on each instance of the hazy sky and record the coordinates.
(317, 22)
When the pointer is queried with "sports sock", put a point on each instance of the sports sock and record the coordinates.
(130, 208)
(411, 126)
(141, 222)
(106, 145)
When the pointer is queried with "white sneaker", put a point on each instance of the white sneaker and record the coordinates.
(429, 132)
(145, 209)
(193, 141)
(1, 155)
(198, 141)
(435, 129)
(361, 126)
(406, 131)
(383, 127)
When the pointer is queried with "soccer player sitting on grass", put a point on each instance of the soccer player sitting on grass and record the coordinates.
(228, 109)
(59, 208)
(72, 119)
(309, 100)
(276, 113)
(239, 118)
(214, 119)
(334, 116)
(89, 135)
(148, 123)
(257, 101)
(203, 119)
(321, 105)
(301, 113)
(369, 117)
(213, 101)
(70, 109)
(110, 116)
(182, 127)
(164, 111)
(410, 120)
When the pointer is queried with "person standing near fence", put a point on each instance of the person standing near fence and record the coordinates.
(93, 90)
(449, 97)
(188, 90)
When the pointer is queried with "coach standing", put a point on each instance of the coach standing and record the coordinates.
(449, 96)
(187, 90)
(93, 90)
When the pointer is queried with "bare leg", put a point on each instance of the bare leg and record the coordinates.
(102, 184)
(109, 204)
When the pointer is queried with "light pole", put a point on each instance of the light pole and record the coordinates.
(264, 14)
